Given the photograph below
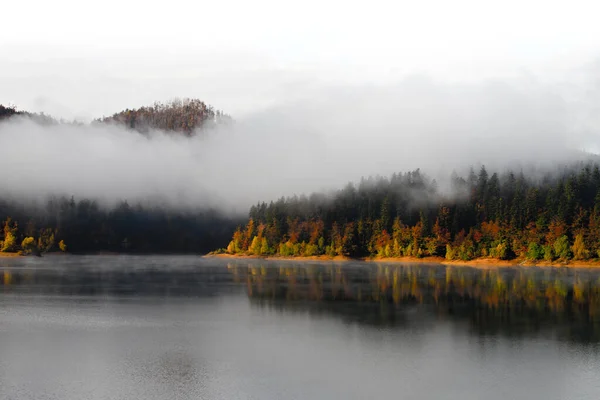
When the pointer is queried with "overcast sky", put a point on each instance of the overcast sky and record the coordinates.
(79, 59)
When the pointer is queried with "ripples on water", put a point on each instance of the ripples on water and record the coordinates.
(122, 327)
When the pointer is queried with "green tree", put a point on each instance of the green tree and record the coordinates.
(549, 253)
(561, 247)
(534, 251)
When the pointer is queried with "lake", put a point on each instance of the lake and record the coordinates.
(184, 327)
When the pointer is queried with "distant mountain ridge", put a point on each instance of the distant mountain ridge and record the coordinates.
(183, 116)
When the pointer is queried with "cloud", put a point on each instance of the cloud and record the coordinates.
(322, 139)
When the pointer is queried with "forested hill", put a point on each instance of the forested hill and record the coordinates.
(182, 116)
(505, 216)
(82, 225)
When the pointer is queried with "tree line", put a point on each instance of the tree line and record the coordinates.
(555, 216)
(83, 226)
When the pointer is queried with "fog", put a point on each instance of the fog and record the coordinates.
(320, 141)
(322, 93)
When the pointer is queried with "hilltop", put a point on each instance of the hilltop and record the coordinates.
(183, 116)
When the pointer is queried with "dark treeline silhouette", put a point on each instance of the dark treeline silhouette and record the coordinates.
(85, 227)
(82, 226)
(504, 216)
(7, 112)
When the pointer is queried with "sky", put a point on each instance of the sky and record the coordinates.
(322, 92)
(81, 60)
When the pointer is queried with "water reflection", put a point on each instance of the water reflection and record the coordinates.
(555, 302)
(115, 280)
(512, 301)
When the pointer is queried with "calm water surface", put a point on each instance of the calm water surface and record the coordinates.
(125, 327)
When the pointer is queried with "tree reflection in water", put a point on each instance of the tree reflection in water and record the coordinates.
(511, 301)
(562, 303)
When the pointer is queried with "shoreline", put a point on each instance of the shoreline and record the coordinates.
(477, 263)
(11, 255)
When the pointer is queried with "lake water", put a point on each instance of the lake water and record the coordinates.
(129, 327)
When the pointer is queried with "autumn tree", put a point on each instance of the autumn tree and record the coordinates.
(10, 236)
(28, 246)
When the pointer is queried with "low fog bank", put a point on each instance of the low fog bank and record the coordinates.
(331, 136)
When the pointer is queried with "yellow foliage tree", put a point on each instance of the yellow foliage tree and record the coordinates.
(578, 248)
(231, 248)
(45, 240)
(29, 245)
(10, 236)
(255, 247)
(264, 246)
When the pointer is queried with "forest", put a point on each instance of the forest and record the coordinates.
(64, 223)
(555, 216)
(83, 226)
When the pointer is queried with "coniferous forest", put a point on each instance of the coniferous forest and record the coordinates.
(502, 216)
